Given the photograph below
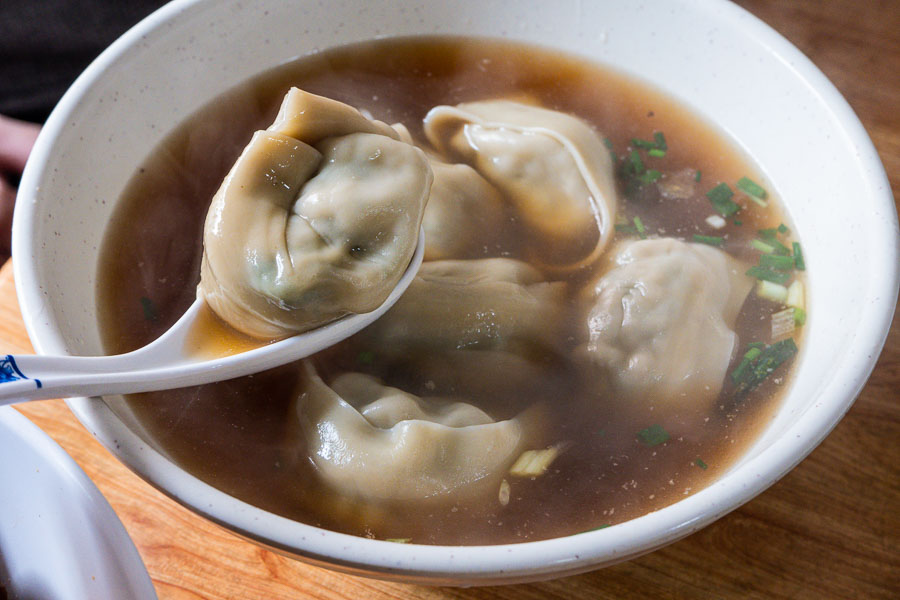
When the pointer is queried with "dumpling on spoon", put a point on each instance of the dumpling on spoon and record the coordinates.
(317, 219)
(553, 168)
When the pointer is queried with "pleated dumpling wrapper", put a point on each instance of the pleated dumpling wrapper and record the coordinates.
(553, 168)
(660, 321)
(318, 218)
(376, 442)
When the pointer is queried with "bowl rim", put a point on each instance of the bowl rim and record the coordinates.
(491, 563)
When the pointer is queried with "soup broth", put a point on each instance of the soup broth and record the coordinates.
(615, 461)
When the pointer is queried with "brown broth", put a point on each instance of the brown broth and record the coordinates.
(240, 435)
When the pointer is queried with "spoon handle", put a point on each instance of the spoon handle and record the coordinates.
(33, 377)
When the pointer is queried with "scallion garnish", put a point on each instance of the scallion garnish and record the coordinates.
(634, 165)
(639, 227)
(759, 345)
(653, 435)
(799, 264)
(649, 176)
(762, 246)
(799, 316)
(656, 152)
(660, 140)
(699, 462)
(782, 229)
(774, 261)
(697, 176)
(150, 313)
(751, 372)
(720, 198)
(712, 240)
(768, 274)
(751, 188)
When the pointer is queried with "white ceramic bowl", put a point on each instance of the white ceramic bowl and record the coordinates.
(711, 55)
(59, 537)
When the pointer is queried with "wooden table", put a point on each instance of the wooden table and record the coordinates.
(829, 529)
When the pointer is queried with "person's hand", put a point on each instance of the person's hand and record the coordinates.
(16, 140)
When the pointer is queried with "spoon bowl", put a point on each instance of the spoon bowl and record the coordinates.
(171, 361)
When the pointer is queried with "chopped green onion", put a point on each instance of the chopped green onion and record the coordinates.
(751, 188)
(639, 227)
(656, 152)
(634, 165)
(653, 435)
(768, 234)
(799, 316)
(699, 462)
(767, 274)
(782, 229)
(754, 352)
(780, 248)
(740, 372)
(762, 246)
(366, 357)
(649, 176)
(398, 540)
(795, 295)
(150, 313)
(773, 261)
(750, 374)
(697, 176)
(771, 291)
(799, 263)
(759, 201)
(711, 240)
(720, 198)
(757, 345)
(738, 222)
(533, 463)
(660, 140)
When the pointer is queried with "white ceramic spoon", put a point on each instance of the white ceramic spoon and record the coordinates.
(167, 362)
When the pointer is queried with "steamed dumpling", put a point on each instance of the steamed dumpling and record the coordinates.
(376, 442)
(661, 320)
(552, 166)
(318, 218)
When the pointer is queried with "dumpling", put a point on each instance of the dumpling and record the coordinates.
(482, 304)
(553, 167)
(465, 216)
(318, 218)
(376, 442)
(461, 322)
(661, 320)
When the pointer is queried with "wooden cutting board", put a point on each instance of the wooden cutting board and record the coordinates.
(829, 529)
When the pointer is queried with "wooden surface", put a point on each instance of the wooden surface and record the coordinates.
(830, 529)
